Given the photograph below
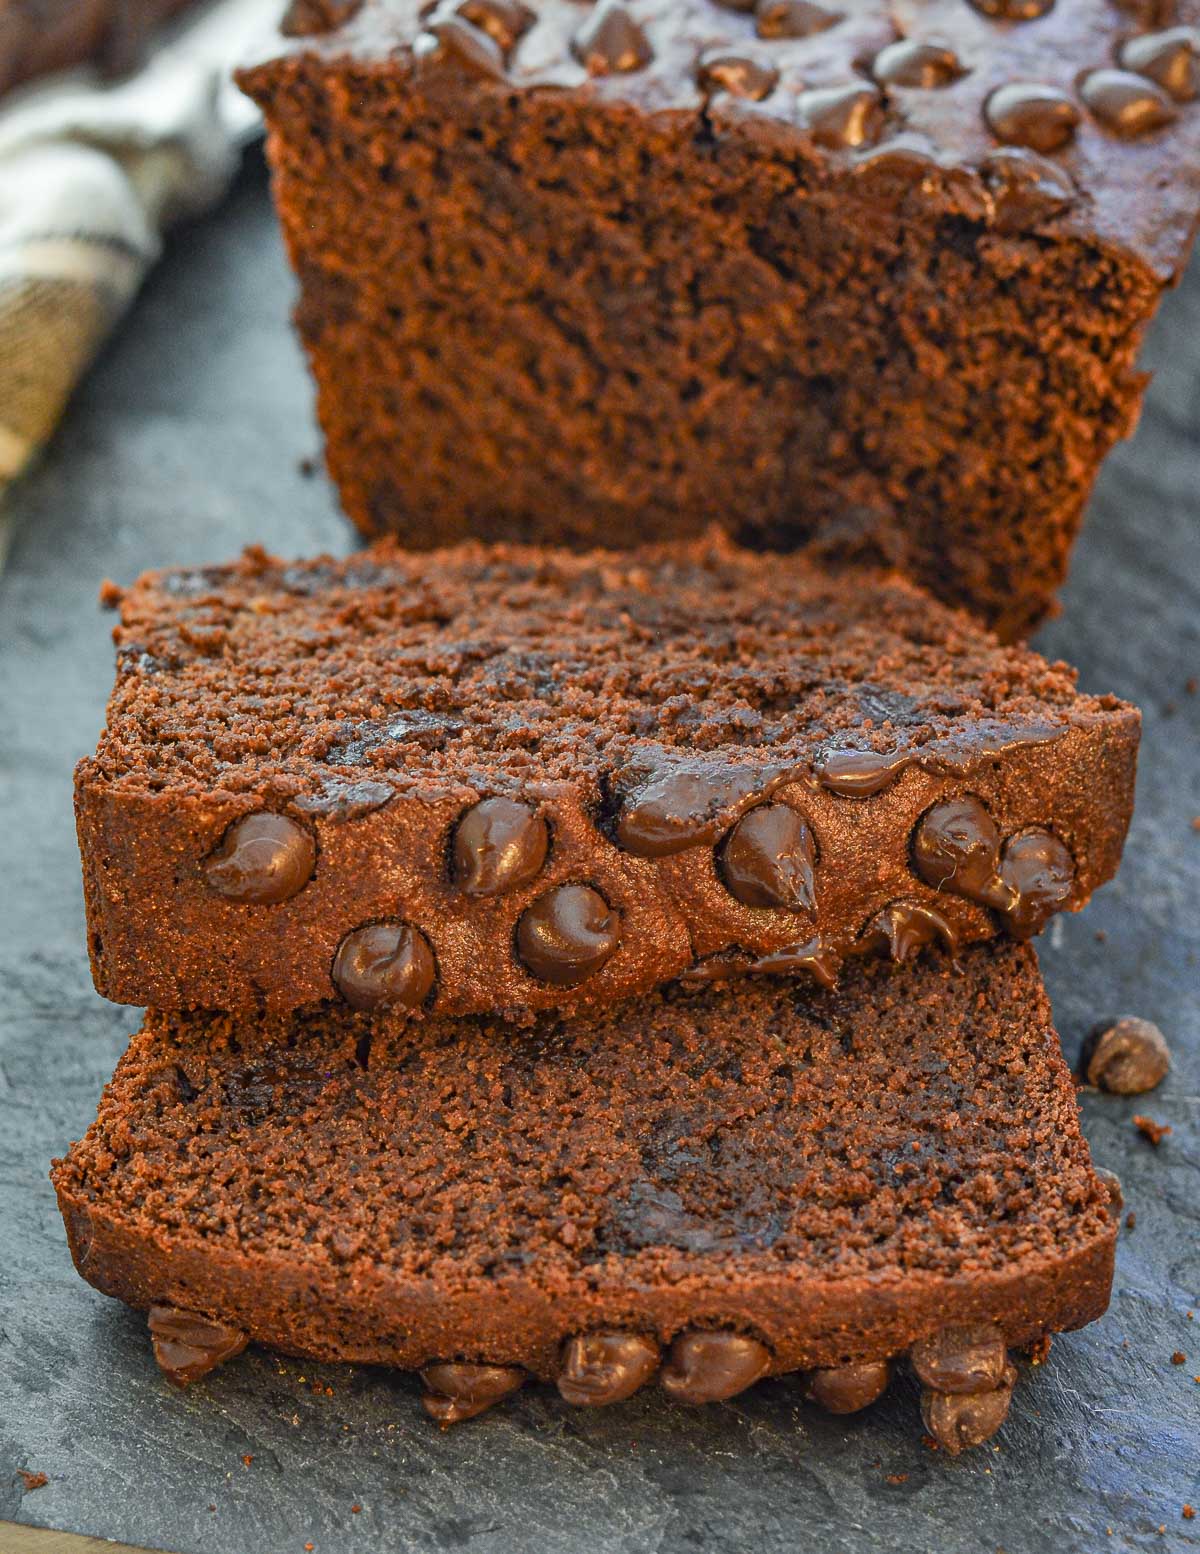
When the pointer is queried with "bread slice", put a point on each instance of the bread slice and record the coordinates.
(496, 778)
(703, 1186)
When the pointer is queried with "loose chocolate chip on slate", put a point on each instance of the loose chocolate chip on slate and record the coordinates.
(767, 859)
(841, 115)
(308, 18)
(707, 1367)
(1128, 1057)
(737, 74)
(1125, 103)
(793, 18)
(454, 41)
(498, 845)
(568, 934)
(956, 848)
(1040, 871)
(961, 1359)
(384, 964)
(504, 21)
(458, 1391)
(263, 858)
(844, 1389)
(600, 1368)
(610, 42)
(957, 1421)
(187, 1346)
(904, 928)
(1027, 113)
(1171, 58)
(1013, 10)
(916, 63)
(1025, 187)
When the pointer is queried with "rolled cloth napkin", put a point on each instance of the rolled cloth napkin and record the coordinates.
(90, 178)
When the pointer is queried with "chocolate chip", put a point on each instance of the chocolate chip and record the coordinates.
(916, 63)
(600, 1368)
(1013, 10)
(1125, 1058)
(767, 860)
(1125, 103)
(568, 934)
(504, 21)
(679, 809)
(957, 1421)
(857, 773)
(956, 848)
(1170, 58)
(384, 964)
(737, 74)
(811, 955)
(844, 1389)
(1028, 114)
(187, 1346)
(963, 1358)
(1040, 872)
(610, 42)
(1112, 1184)
(837, 116)
(498, 845)
(793, 18)
(263, 858)
(458, 1391)
(1025, 187)
(707, 1367)
(904, 928)
(456, 42)
(308, 18)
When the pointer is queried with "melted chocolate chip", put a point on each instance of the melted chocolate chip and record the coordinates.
(456, 42)
(904, 928)
(187, 1346)
(680, 809)
(504, 21)
(498, 845)
(965, 1358)
(722, 967)
(812, 956)
(916, 63)
(1125, 1058)
(1040, 872)
(707, 1367)
(837, 116)
(1026, 113)
(308, 18)
(793, 18)
(1025, 187)
(957, 1421)
(1171, 58)
(1013, 10)
(737, 74)
(767, 860)
(568, 934)
(384, 964)
(600, 1368)
(458, 1391)
(610, 42)
(858, 773)
(844, 1389)
(1125, 103)
(956, 848)
(263, 858)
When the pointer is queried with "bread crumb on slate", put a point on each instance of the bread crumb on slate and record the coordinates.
(110, 595)
(1149, 1129)
(1131, 1219)
(1188, 1513)
(1179, 1358)
(32, 1480)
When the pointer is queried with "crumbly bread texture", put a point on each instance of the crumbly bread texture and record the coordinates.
(815, 1181)
(872, 274)
(508, 779)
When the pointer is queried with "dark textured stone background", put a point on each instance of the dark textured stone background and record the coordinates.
(185, 445)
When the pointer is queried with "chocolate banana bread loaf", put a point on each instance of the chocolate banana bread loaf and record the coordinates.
(871, 274)
(703, 1187)
(507, 779)
(38, 36)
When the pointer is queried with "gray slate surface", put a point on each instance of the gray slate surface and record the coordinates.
(185, 445)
